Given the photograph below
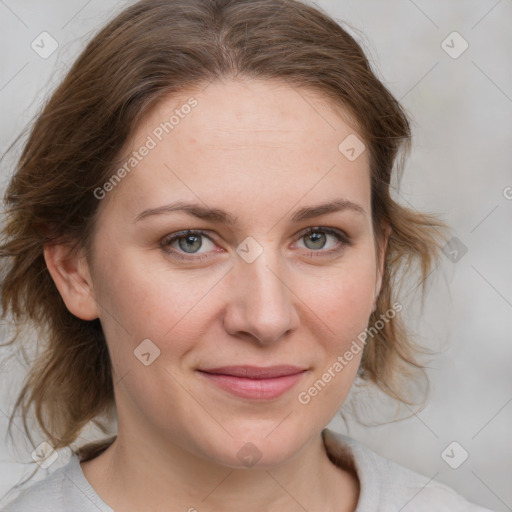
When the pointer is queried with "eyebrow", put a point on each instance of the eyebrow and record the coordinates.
(221, 216)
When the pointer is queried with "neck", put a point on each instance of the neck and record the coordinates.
(137, 475)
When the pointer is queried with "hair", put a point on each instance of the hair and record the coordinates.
(153, 49)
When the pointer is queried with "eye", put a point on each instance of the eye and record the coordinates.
(317, 238)
(187, 242)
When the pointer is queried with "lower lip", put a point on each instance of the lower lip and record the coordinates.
(255, 389)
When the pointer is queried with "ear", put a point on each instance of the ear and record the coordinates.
(72, 277)
(386, 231)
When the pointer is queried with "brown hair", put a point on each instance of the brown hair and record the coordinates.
(152, 49)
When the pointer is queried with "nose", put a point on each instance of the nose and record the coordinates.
(261, 303)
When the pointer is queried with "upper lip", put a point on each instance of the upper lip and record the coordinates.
(255, 372)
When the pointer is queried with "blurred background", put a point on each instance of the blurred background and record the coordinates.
(449, 64)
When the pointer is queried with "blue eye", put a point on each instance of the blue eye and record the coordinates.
(317, 238)
(186, 245)
(189, 242)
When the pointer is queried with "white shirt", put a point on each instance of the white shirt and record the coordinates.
(384, 486)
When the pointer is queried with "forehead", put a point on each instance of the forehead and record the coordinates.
(243, 138)
(239, 111)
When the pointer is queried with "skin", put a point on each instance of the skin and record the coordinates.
(260, 151)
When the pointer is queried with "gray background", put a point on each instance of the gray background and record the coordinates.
(460, 168)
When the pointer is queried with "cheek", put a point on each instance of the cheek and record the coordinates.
(142, 301)
(342, 297)
(342, 305)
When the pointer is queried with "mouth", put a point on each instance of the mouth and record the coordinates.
(254, 382)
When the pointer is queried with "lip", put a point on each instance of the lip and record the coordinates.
(254, 382)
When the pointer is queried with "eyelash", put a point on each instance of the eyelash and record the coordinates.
(340, 235)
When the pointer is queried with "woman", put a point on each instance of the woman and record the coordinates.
(201, 226)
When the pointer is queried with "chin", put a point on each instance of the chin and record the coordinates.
(251, 447)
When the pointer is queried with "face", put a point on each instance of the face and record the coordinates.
(266, 283)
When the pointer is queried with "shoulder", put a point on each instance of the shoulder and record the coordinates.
(387, 486)
(62, 490)
(42, 495)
